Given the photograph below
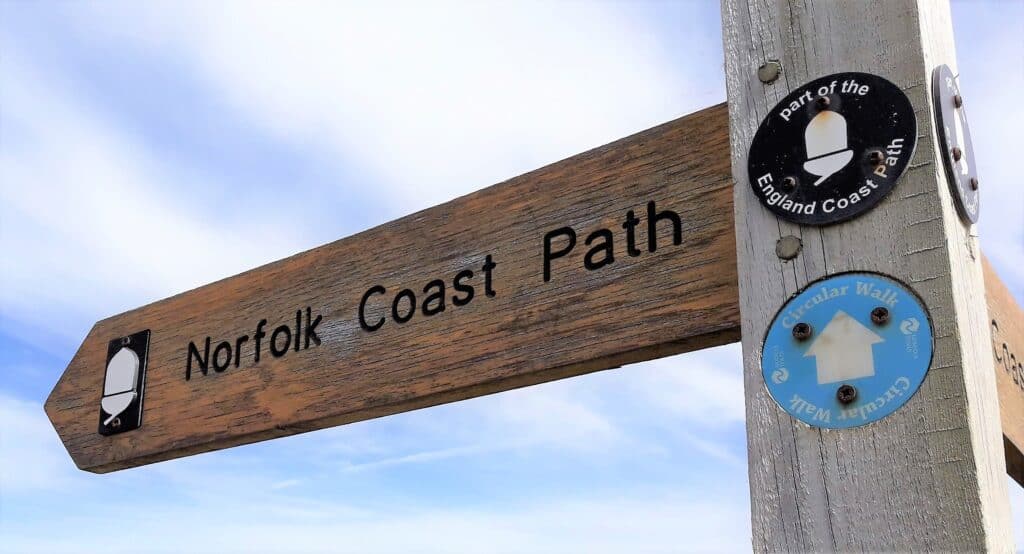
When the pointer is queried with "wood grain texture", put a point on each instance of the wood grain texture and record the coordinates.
(931, 476)
(1007, 320)
(1008, 348)
(676, 299)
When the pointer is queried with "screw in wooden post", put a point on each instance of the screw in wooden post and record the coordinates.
(846, 394)
(802, 331)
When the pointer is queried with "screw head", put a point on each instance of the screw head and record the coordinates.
(846, 394)
(822, 102)
(880, 315)
(876, 157)
(957, 153)
(802, 331)
(788, 247)
(769, 71)
(789, 184)
(958, 101)
(126, 341)
(116, 423)
(974, 183)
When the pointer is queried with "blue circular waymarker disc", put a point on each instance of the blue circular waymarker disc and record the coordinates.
(853, 368)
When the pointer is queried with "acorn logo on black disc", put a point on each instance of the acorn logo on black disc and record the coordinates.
(833, 148)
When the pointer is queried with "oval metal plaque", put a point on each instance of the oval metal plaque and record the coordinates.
(955, 141)
(847, 350)
(833, 148)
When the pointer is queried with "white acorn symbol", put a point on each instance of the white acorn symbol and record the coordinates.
(827, 150)
(119, 387)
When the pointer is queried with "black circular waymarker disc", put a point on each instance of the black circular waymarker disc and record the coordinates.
(955, 140)
(833, 148)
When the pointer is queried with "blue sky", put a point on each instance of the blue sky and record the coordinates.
(228, 135)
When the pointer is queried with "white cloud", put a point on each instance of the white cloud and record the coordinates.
(705, 388)
(238, 501)
(689, 400)
(656, 522)
(991, 65)
(430, 102)
(433, 100)
(91, 223)
(287, 483)
(530, 414)
(1017, 511)
(31, 456)
(564, 417)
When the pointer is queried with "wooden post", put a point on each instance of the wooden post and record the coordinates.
(931, 476)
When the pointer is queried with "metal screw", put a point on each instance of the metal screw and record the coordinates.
(974, 183)
(876, 157)
(880, 315)
(802, 331)
(789, 184)
(788, 247)
(957, 153)
(958, 101)
(769, 71)
(116, 424)
(846, 394)
(126, 341)
(822, 102)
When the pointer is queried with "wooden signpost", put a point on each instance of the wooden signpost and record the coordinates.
(621, 254)
(202, 365)
(618, 255)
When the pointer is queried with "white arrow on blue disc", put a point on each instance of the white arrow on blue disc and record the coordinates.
(843, 351)
(883, 361)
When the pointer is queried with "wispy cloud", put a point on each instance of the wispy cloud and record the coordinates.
(424, 103)
(424, 457)
(991, 71)
(32, 459)
(706, 388)
(1017, 510)
(653, 522)
(557, 416)
(91, 223)
(599, 418)
(287, 483)
(433, 101)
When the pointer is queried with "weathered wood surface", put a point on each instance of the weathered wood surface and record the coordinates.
(1008, 337)
(653, 304)
(1007, 321)
(167, 394)
(930, 477)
